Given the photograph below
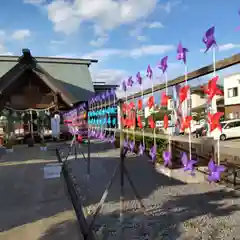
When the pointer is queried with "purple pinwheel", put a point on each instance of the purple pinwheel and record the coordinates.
(124, 86)
(112, 139)
(238, 28)
(112, 92)
(149, 72)
(141, 149)
(167, 159)
(163, 64)
(108, 94)
(130, 82)
(209, 39)
(214, 171)
(102, 135)
(153, 152)
(139, 78)
(181, 53)
(187, 164)
(125, 143)
(131, 146)
(103, 96)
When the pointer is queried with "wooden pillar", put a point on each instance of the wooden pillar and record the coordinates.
(55, 100)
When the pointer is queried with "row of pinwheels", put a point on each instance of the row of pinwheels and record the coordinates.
(210, 90)
(102, 97)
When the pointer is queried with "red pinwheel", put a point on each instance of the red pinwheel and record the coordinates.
(211, 89)
(140, 104)
(150, 102)
(183, 92)
(79, 139)
(213, 120)
(164, 100)
(124, 107)
(131, 106)
(186, 123)
(139, 121)
(151, 122)
(165, 121)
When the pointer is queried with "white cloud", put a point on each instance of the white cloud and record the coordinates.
(228, 46)
(99, 41)
(4, 50)
(139, 29)
(225, 47)
(57, 42)
(103, 54)
(168, 6)
(155, 25)
(67, 16)
(21, 34)
(142, 38)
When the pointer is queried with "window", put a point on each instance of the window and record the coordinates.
(233, 92)
(237, 124)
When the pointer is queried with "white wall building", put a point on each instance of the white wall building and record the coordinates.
(232, 96)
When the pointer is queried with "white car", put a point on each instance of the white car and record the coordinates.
(230, 129)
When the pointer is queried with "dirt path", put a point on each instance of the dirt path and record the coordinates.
(32, 207)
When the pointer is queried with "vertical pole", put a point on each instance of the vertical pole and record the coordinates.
(31, 124)
(88, 144)
(121, 165)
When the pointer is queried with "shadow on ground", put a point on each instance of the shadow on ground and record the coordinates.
(26, 196)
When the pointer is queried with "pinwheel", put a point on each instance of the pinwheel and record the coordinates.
(211, 89)
(139, 78)
(151, 122)
(209, 39)
(130, 82)
(141, 149)
(139, 122)
(163, 64)
(150, 102)
(183, 93)
(164, 99)
(125, 143)
(186, 123)
(238, 28)
(79, 139)
(187, 164)
(153, 152)
(132, 146)
(167, 159)
(165, 121)
(140, 104)
(182, 53)
(214, 171)
(213, 120)
(149, 72)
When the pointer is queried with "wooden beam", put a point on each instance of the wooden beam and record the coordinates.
(225, 63)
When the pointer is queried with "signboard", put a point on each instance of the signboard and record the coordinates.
(52, 171)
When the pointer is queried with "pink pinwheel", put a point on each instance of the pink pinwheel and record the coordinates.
(130, 82)
(124, 86)
(141, 149)
(163, 64)
(188, 164)
(167, 159)
(139, 78)
(131, 146)
(153, 152)
(149, 72)
(209, 39)
(214, 171)
(182, 53)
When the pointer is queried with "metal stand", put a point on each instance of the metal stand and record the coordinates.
(123, 171)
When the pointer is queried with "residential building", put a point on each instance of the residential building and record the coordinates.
(232, 96)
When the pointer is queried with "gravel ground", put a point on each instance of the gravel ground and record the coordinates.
(175, 210)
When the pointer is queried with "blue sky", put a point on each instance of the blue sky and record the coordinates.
(125, 35)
